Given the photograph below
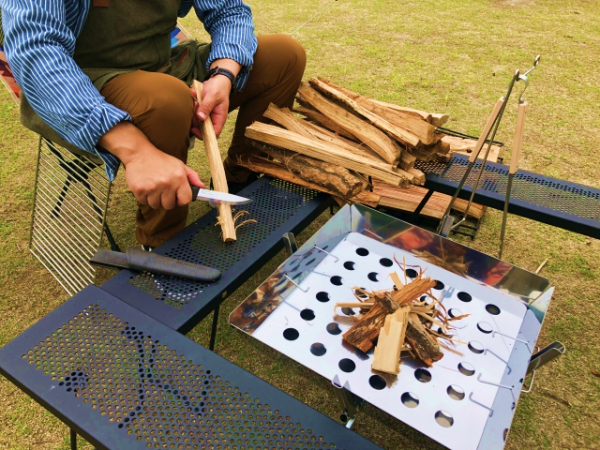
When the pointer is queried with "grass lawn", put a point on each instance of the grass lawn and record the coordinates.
(451, 56)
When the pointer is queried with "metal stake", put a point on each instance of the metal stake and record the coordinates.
(350, 402)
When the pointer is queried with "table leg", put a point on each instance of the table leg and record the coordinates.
(213, 333)
(73, 440)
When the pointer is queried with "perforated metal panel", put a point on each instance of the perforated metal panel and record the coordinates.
(129, 382)
(71, 197)
(273, 204)
(557, 202)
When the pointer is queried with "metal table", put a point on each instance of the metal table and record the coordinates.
(278, 206)
(122, 380)
(566, 205)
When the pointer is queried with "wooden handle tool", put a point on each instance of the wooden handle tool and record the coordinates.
(516, 153)
(217, 170)
(486, 130)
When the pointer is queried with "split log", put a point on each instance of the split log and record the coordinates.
(424, 346)
(217, 171)
(466, 147)
(371, 136)
(405, 120)
(400, 134)
(366, 330)
(317, 117)
(386, 356)
(279, 137)
(407, 161)
(439, 120)
(413, 290)
(334, 178)
(419, 176)
(367, 198)
(286, 119)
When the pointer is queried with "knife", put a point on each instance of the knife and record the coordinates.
(217, 197)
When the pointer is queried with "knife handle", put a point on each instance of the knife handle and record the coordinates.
(195, 191)
(138, 259)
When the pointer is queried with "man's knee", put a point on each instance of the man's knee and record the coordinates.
(284, 51)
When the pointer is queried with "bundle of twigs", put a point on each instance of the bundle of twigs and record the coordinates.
(400, 321)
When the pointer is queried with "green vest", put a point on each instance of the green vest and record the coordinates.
(125, 36)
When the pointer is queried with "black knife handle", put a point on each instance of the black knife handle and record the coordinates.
(151, 262)
(195, 190)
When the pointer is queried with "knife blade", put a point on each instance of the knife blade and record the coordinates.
(217, 197)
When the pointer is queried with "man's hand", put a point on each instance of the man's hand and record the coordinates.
(154, 178)
(215, 98)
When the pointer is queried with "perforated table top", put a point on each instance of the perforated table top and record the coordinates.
(122, 380)
(566, 205)
(278, 207)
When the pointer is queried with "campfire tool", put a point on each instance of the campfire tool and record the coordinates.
(447, 223)
(464, 401)
(217, 197)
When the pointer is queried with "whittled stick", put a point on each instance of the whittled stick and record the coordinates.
(217, 171)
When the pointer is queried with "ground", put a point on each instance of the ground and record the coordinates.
(451, 56)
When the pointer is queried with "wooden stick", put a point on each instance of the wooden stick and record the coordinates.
(541, 266)
(376, 139)
(386, 356)
(217, 171)
(279, 137)
(316, 116)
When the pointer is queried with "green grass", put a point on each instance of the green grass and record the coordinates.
(451, 56)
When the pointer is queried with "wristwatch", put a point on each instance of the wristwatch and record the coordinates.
(220, 71)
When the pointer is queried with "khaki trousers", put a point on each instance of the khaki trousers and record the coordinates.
(162, 107)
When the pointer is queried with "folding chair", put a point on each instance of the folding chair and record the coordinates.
(71, 198)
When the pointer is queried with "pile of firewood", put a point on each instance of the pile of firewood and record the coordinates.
(353, 147)
(398, 321)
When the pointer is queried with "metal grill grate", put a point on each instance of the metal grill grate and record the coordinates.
(71, 197)
(537, 190)
(156, 395)
(272, 205)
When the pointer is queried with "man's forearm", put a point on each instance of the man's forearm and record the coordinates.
(126, 142)
(229, 64)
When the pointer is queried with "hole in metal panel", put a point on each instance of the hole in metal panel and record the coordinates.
(464, 297)
(307, 314)
(336, 280)
(492, 309)
(466, 369)
(455, 392)
(411, 273)
(373, 276)
(454, 312)
(476, 347)
(347, 365)
(349, 265)
(318, 349)
(444, 419)
(377, 382)
(323, 297)
(291, 334)
(362, 251)
(424, 376)
(348, 311)
(485, 327)
(385, 262)
(361, 294)
(438, 285)
(333, 328)
(410, 400)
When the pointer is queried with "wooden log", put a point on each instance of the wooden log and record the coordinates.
(317, 117)
(217, 171)
(397, 133)
(407, 161)
(439, 120)
(413, 290)
(403, 119)
(367, 198)
(424, 346)
(366, 330)
(279, 137)
(422, 114)
(467, 146)
(334, 178)
(286, 119)
(371, 136)
(419, 176)
(386, 356)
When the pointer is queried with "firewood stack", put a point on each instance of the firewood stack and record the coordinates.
(396, 321)
(355, 148)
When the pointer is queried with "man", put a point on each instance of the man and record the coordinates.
(100, 76)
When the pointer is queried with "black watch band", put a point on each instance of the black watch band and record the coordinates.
(220, 71)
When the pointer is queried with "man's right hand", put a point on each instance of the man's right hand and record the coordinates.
(155, 178)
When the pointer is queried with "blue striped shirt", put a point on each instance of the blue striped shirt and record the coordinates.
(40, 40)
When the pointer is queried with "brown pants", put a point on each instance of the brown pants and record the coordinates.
(162, 107)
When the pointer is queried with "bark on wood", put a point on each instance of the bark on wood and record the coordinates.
(366, 330)
(319, 118)
(386, 357)
(424, 346)
(334, 178)
(400, 134)
(376, 139)
(387, 303)
(217, 171)
(367, 198)
(279, 137)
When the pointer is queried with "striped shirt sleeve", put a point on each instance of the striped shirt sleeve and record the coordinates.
(230, 25)
(39, 47)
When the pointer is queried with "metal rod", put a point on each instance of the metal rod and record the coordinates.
(494, 333)
(510, 388)
(68, 289)
(73, 440)
(324, 251)
(213, 332)
(37, 173)
(315, 15)
(528, 390)
(297, 285)
(505, 214)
